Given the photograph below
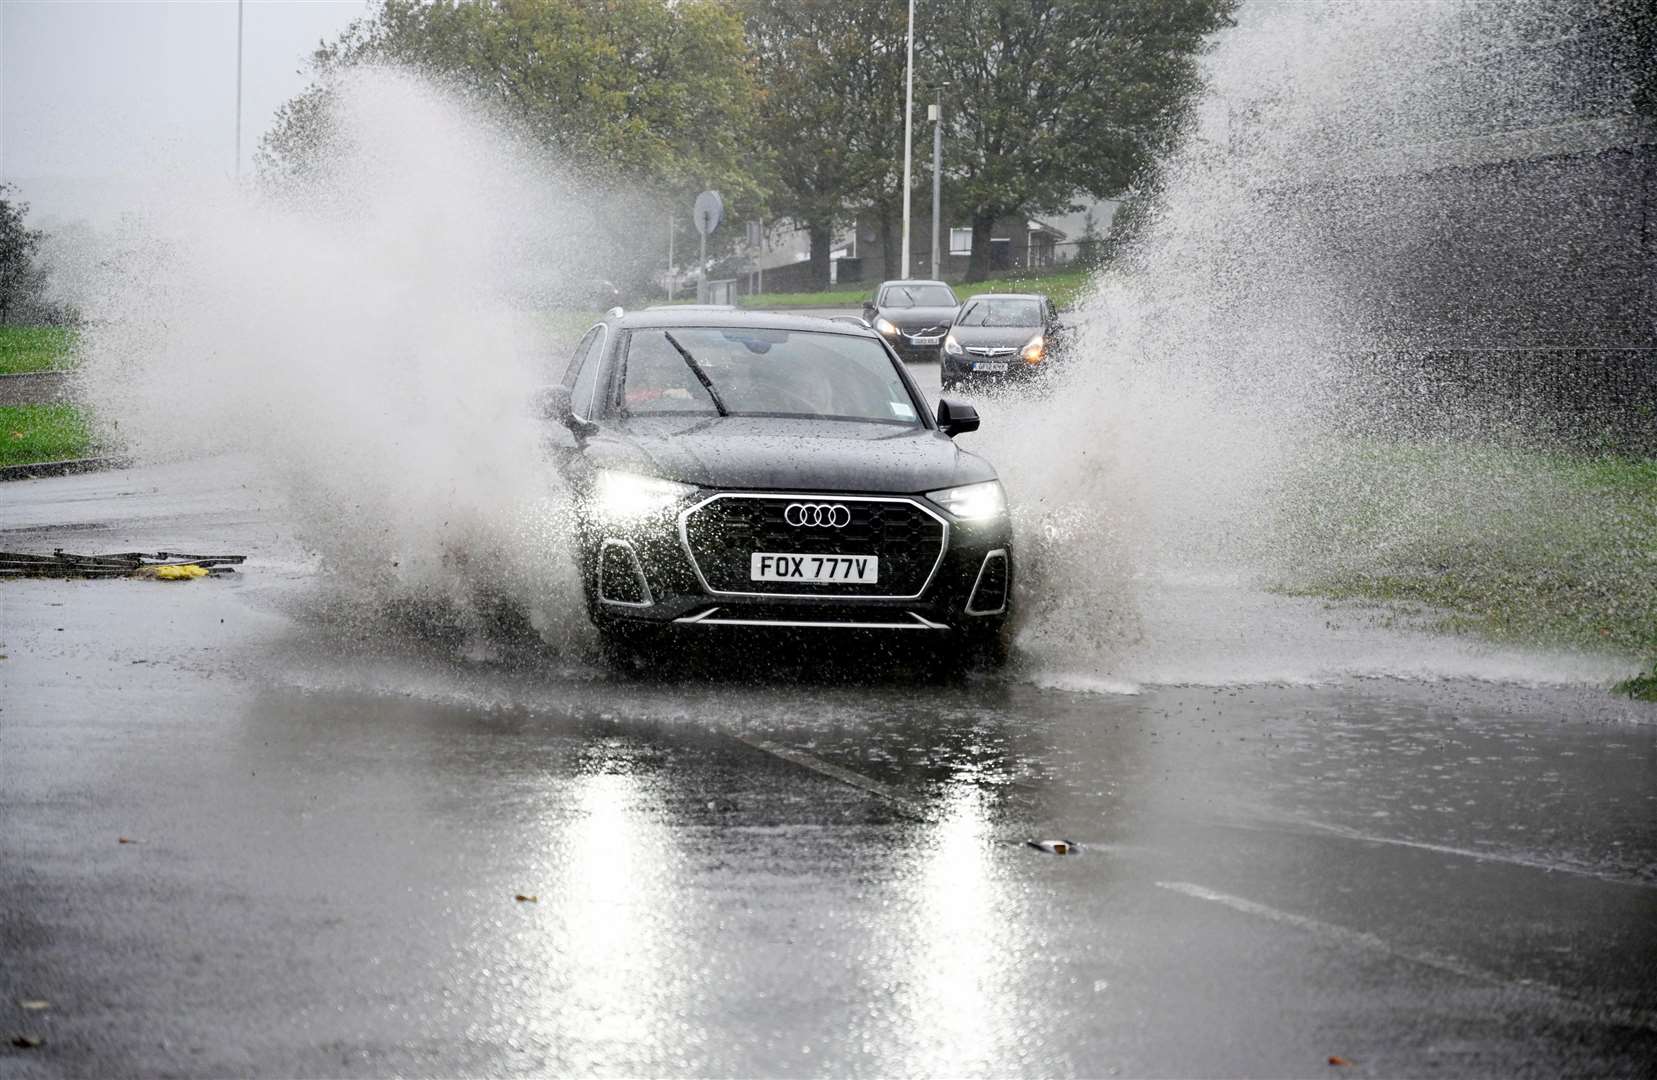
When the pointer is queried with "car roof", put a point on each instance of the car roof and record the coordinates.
(719, 318)
(914, 281)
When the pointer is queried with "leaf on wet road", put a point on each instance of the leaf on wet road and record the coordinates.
(33, 1004)
(26, 1042)
(527, 898)
(1336, 1059)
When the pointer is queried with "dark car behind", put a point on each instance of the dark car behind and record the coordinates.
(1000, 337)
(912, 316)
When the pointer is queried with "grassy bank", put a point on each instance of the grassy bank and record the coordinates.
(1065, 289)
(33, 348)
(1512, 545)
(32, 433)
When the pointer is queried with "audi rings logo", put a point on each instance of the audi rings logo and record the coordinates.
(817, 515)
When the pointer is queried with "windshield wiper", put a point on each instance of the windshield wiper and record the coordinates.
(701, 376)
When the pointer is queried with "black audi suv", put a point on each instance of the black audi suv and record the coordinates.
(739, 470)
(912, 316)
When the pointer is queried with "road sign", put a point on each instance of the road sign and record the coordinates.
(709, 212)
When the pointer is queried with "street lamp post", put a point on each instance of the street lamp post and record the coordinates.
(937, 118)
(908, 124)
(238, 88)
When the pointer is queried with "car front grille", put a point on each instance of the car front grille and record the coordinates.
(721, 533)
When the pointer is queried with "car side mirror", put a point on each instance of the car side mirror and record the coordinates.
(956, 417)
(557, 404)
(868, 309)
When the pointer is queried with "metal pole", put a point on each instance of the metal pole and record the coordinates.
(908, 123)
(238, 89)
(670, 256)
(702, 270)
(937, 180)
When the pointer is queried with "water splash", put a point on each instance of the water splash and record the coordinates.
(367, 335)
(1250, 364)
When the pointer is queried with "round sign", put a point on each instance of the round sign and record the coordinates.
(709, 212)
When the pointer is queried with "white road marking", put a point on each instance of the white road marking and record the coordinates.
(1360, 939)
(835, 772)
(1444, 849)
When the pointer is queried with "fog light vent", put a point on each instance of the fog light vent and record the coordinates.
(989, 592)
(620, 577)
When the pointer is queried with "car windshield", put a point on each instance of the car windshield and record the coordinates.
(747, 371)
(1001, 313)
(918, 296)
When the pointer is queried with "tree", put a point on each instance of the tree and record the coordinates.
(642, 96)
(1052, 98)
(1090, 248)
(832, 72)
(20, 280)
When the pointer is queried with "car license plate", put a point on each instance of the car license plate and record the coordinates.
(814, 569)
(925, 340)
(989, 365)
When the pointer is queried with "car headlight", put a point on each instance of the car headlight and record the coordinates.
(623, 497)
(1032, 350)
(972, 502)
(951, 346)
(886, 326)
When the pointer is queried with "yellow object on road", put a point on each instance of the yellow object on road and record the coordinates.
(175, 573)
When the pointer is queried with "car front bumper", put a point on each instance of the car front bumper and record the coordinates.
(648, 579)
(958, 369)
(911, 352)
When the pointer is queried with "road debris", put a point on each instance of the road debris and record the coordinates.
(1336, 1059)
(527, 898)
(26, 1042)
(173, 573)
(1053, 847)
(33, 1004)
(163, 565)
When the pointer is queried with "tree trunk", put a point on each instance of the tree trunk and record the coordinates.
(821, 236)
(890, 255)
(978, 268)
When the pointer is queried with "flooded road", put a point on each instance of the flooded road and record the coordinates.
(239, 840)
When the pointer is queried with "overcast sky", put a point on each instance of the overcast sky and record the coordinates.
(96, 95)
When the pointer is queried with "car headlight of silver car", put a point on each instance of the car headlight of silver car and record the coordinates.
(623, 497)
(972, 502)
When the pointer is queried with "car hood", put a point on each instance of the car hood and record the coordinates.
(919, 318)
(801, 455)
(994, 336)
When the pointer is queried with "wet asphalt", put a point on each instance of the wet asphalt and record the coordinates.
(236, 839)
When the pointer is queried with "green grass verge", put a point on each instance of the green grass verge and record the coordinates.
(1512, 545)
(34, 433)
(1065, 288)
(1640, 687)
(34, 348)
